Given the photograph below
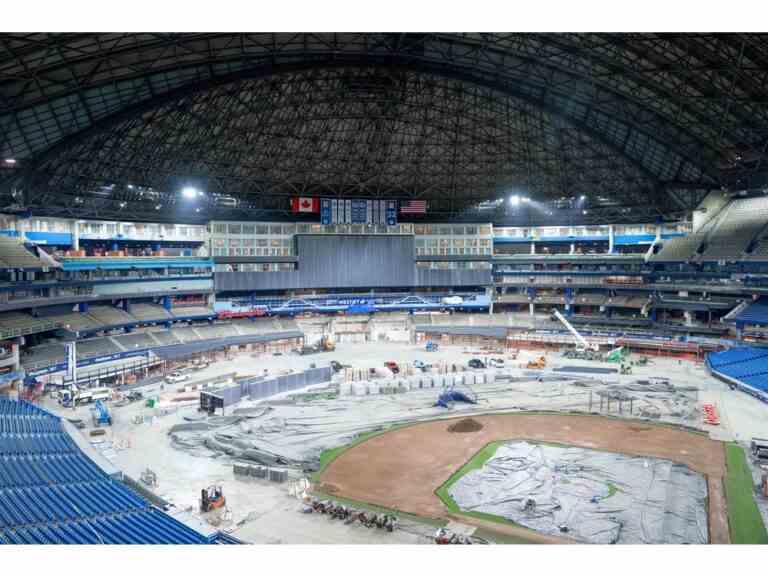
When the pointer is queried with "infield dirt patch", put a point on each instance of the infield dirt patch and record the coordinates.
(402, 469)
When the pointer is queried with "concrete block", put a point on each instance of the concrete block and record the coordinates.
(278, 475)
(258, 471)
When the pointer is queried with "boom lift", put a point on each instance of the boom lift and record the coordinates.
(579, 338)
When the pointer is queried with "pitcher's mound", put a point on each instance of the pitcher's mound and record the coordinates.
(466, 425)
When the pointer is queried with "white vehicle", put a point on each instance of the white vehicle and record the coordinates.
(176, 377)
(496, 362)
(84, 396)
(453, 300)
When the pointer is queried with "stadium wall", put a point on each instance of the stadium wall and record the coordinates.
(340, 261)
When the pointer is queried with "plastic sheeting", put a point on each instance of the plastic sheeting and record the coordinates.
(600, 497)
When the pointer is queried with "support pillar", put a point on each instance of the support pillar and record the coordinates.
(610, 239)
(490, 293)
(75, 235)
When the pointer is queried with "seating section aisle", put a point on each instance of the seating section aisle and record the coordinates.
(51, 493)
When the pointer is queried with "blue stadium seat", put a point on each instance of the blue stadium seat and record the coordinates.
(50, 493)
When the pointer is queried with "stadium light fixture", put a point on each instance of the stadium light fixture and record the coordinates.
(10, 161)
(123, 204)
(584, 212)
(514, 200)
(189, 192)
(582, 197)
(158, 206)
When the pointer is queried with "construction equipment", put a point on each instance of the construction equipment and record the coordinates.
(74, 396)
(101, 416)
(149, 477)
(625, 369)
(431, 346)
(445, 536)
(579, 338)
(450, 395)
(211, 498)
(537, 364)
(394, 368)
(326, 344)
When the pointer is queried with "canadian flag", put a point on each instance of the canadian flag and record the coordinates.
(305, 204)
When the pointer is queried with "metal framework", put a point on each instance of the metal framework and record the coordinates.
(106, 125)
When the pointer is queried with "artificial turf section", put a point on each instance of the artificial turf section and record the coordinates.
(744, 519)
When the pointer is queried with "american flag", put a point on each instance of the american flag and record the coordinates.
(413, 207)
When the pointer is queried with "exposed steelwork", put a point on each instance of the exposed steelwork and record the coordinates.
(101, 124)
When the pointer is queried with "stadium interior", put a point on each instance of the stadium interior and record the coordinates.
(234, 266)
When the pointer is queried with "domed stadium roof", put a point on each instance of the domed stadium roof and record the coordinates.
(103, 123)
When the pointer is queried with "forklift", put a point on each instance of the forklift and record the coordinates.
(211, 498)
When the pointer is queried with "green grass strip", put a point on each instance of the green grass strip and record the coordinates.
(744, 519)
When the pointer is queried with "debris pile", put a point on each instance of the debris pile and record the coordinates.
(465, 425)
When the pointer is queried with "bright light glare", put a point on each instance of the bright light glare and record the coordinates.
(10, 161)
(514, 200)
(189, 192)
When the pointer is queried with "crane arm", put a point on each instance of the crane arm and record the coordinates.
(579, 338)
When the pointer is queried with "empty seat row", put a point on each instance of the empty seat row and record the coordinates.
(11, 444)
(28, 425)
(14, 408)
(51, 493)
(140, 527)
(735, 355)
(18, 471)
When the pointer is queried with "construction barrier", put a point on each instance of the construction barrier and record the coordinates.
(710, 415)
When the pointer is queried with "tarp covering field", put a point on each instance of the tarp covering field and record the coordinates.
(592, 496)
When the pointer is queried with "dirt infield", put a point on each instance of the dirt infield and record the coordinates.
(403, 468)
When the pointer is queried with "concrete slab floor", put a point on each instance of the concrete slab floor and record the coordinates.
(274, 516)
